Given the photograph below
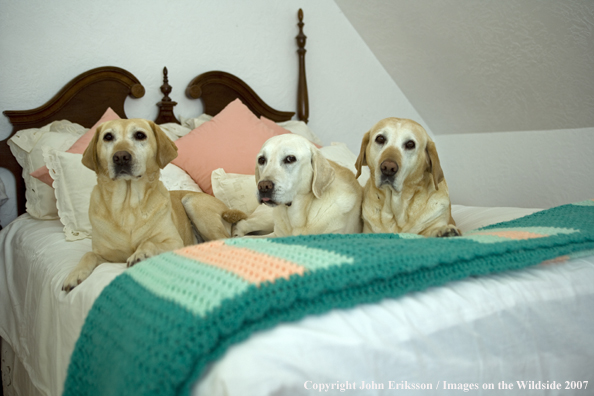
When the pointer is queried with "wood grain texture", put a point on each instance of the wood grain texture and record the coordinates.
(218, 88)
(166, 105)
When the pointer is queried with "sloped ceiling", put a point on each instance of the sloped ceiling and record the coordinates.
(470, 66)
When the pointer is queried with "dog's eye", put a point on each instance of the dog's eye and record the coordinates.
(108, 137)
(290, 159)
(380, 139)
(140, 135)
(262, 160)
(409, 145)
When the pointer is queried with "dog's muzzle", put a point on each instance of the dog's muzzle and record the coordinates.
(389, 169)
(265, 191)
(122, 161)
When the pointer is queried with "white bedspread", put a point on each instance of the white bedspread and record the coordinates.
(529, 325)
(38, 320)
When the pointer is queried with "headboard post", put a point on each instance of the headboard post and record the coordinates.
(302, 95)
(166, 104)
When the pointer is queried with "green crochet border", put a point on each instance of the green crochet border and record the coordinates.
(108, 358)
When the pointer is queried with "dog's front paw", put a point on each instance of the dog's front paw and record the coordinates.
(239, 229)
(83, 269)
(136, 258)
(75, 278)
(448, 231)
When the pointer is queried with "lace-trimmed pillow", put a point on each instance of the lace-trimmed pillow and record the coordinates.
(27, 147)
(73, 183)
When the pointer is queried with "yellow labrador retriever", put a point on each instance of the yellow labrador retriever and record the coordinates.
(406, 191)
(309, 193)
(132, 214)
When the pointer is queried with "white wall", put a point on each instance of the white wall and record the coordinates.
(45, 44)
(537, 169)
(486, 66)
(479, 71)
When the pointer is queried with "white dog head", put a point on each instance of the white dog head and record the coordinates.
(288, 166)
(128, 149)
(399, 152)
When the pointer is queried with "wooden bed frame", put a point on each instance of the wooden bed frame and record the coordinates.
(85, 98)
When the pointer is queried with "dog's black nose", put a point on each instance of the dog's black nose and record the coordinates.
(389, 168)
(122, 158)
(265, 186)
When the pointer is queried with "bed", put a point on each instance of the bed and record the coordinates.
(507, 307)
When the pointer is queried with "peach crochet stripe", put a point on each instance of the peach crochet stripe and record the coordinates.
(252, 266)
(512, 234)
(558, 260)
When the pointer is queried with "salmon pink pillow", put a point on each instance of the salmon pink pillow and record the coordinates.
(231, 140)
(78, 147)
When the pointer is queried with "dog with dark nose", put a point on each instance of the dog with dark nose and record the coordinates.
(308, 193)
(389, 169)
(265, 189)
(133, 215)
(407, 191)
(122, 161)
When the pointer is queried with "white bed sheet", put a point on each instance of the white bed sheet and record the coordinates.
(39, 321)
(529, 325)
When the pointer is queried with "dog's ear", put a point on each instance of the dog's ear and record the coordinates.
(90, 159)
(257, 173)
(166, 149)
(361, 160)
(433, 164)
(323, 173)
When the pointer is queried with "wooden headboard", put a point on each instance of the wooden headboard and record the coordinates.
(218, 88)
(86, 97)
(83, 101)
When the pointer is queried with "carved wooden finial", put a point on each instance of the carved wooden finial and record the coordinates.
(301, 37)
(166, 88)
(166, 104)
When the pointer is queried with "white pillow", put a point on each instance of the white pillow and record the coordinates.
(340, 153)
(194, 123)
(27, 147)
(235, 190)
(74, 183)
(175, 178)
(300, 128)
(174, 131)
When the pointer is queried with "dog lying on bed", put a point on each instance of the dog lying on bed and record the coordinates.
(309, 193)
(132, 213)
(406, 191)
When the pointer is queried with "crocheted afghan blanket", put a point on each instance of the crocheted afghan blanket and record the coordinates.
(155, 328)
